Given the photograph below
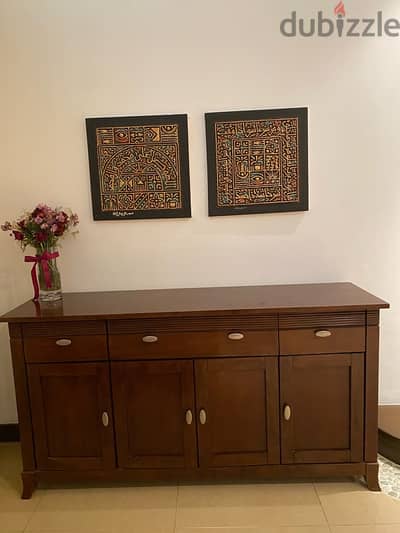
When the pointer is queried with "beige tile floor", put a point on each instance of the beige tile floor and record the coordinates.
(335, 507)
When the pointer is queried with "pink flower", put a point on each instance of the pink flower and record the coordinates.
(18, 236)
(54, 228)
(38, 220)
(60, 230)
(44, 226)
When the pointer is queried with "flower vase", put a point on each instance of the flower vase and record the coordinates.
(50, 283)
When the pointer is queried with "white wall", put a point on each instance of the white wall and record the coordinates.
(65, 60)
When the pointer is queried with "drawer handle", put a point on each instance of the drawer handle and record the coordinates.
(150, 338)
(63, 342)
(203, 417)
(287, 412)
(189, 417)
(323, 333)
(105, 419)
(235, 336)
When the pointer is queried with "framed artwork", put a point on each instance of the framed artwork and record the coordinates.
(139, 167)
(257, 161)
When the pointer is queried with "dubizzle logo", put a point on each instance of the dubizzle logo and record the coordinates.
(341, 26)
(340, 10)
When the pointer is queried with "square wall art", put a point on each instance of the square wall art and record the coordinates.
(257, 161)
(139, 167)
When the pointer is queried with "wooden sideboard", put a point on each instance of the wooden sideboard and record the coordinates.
(239, 383)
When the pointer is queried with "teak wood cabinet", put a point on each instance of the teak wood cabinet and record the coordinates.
(198, 384)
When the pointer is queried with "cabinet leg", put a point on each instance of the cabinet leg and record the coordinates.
(371, 476)
(29, 484)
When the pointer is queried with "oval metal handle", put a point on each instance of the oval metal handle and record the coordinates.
(287, 412)
(63, 342)
(323, 333)
(235, 336)
(203, 417)
(189, 417)
(150, 338)
(105, 419)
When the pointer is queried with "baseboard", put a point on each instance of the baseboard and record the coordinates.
(389, 446)
(9, 433)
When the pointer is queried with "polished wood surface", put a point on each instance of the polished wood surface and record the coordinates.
(371, 394)
(22, 397)
(68, 401)
(214, 300)
(151, 400)
(325, 394)
(148, 358)
(210, 475)
(81, 348)
(239, 397)
(306, 341)
(193, 344)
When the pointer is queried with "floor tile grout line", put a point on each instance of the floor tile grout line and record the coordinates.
(322, 507)
(39, 499)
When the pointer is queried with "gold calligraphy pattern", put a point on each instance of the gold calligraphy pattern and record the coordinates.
(139, 168)
(257, 162)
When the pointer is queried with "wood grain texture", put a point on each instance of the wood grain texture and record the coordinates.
(325, 394)
(64, 329)
(68, 401)
(193, 324)
(23, 400)
(304, 341)
(372, 477)
(238, 398)
(82, 348)
(244, 473)
(331, 384)
(373, 318)
(321, 320)
(193, 344)
(321, 297)
(371, 394)
(151, 400)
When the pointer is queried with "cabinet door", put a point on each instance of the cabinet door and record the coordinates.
(322, 408)
(154, 414)
(71, 416)
(238, 411)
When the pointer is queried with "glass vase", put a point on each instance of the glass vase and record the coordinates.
(50, 288)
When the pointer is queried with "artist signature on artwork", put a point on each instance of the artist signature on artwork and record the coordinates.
(123, 213)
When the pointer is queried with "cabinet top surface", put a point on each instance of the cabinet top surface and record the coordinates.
(323, 297)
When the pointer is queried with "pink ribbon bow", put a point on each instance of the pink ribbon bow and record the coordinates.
(44, 262)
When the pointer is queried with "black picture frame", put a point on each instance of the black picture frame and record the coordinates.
(139, 167)
(222, 165)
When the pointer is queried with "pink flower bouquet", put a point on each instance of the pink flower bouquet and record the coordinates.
(42, 228)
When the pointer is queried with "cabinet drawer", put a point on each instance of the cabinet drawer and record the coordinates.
(193, 344)
(322, 340)
(65, 349)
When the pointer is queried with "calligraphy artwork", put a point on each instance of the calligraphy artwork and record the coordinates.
(139, 167)
(257, 161)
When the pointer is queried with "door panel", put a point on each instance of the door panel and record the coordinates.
(68, 401)
(239, 398)
(325, 395)
(151, 401)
